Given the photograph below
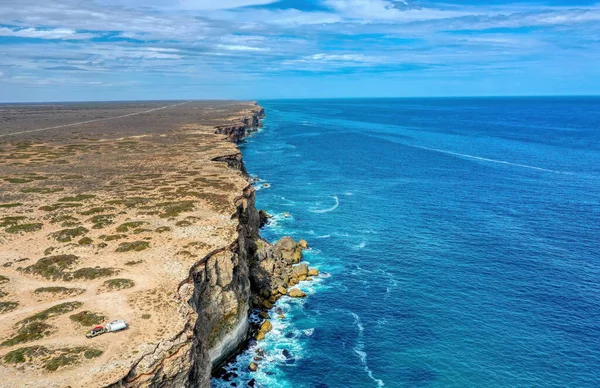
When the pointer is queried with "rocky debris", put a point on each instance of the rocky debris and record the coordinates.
(264, 315)
(313, 272)
(264, 329)
(303, 244)
(274, 269)
(300, 270)
(253, 367)
(296, 293)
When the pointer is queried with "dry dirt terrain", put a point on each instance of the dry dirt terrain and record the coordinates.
(104, 207)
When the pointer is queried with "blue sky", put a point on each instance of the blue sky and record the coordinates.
(58, 50)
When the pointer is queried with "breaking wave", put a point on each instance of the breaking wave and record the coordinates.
(330, 209)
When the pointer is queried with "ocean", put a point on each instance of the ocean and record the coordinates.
(458, 242)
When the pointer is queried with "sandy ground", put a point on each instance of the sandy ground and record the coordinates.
(86, 180)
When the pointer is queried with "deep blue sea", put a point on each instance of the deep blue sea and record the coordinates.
(458, 240)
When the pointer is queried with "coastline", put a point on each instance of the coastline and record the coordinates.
(196, 282)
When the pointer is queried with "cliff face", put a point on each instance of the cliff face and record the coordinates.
(238, 130)
(218, 293)
(222, 295)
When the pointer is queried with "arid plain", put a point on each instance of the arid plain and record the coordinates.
(104, 207)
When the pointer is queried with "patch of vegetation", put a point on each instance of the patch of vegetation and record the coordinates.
(10, 205)
(85, 241)
(173, 209)
(102, 221)
(129, 202)
(6, 307)
(29, 332)
(141, 230)
(66, 235)
(163, 229)
(119, 284)
(52, 267)
(53, 311)
(11, 221)
(129, 226)
(130, 263)
(112, 237)
(92, 353)
(87, 318)
(146, 316)
(3, 279)
(53, 359)
(24, 228)
(25, 179)
(42, 190)
(67, 221)
(89, 273)
(77, 198)
(183, 223)
(97, 210)
(136, 246)
(48, 251)
(56, 206)
(59, 290)
(27, 354)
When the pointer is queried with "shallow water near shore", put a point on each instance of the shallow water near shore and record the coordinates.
(458, 241)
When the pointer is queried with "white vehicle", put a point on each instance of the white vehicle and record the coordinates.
(117, 325)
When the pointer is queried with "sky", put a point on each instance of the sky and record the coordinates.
(81, 50)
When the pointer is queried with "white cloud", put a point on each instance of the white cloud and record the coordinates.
(240, 48)
(54, 33)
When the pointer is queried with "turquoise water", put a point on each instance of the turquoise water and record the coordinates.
(459, 241)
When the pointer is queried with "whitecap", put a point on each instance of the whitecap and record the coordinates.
(360, 246)
(309, 332)
(330, 209)
(359, 349)
(324, 236)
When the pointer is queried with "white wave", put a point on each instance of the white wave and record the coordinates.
(308, 332)
(349, 194)
(337, 204)
(324, 236)
(360, 246)
(359, 349)
(490, 160)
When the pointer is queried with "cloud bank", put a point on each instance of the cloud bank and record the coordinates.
(130, 49)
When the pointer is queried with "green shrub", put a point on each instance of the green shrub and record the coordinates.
(53, 311)
(66, 235)
(119, 284)
(93, 273)
(135, 246)
(29, 332)
(52, 267)
(24, 228)
(87, 318)
(126, 227)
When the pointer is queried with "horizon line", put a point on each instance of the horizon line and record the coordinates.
(310, 98)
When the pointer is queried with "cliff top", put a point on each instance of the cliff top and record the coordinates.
(102, 220)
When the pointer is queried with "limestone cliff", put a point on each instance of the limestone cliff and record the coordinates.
(221, 290)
